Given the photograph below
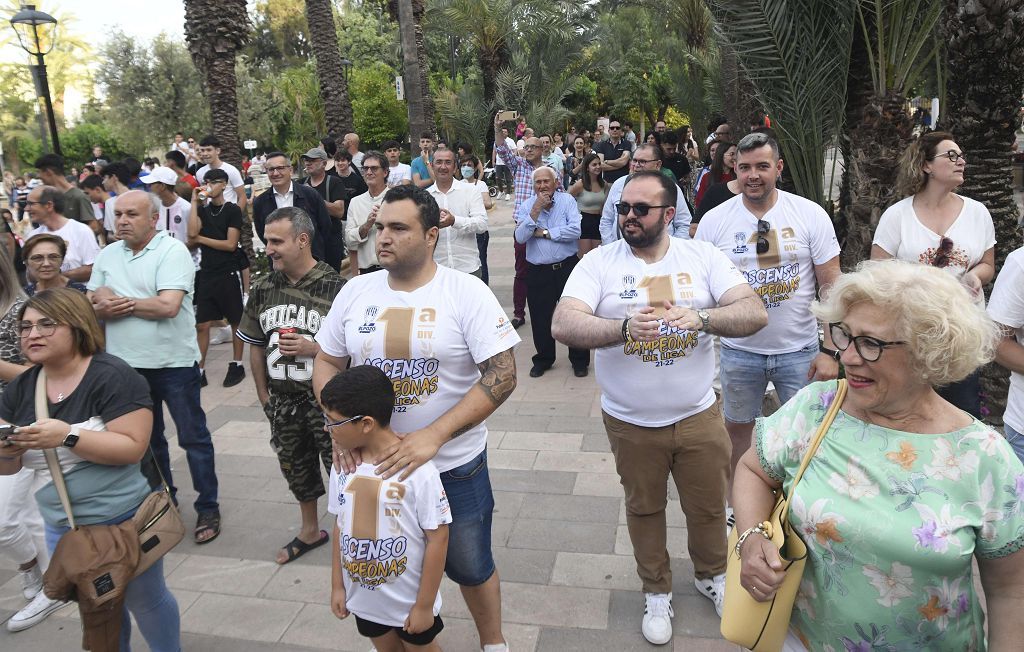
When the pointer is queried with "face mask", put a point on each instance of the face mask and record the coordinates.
(467, 171)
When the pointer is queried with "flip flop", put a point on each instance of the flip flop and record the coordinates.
(207, 521)
(297, 547)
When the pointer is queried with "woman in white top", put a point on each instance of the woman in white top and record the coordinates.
(471, 171)
(935, 226)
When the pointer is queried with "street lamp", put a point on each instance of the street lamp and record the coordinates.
(36, 31)
(346, 69)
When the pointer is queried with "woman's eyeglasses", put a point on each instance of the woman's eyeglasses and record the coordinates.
(941, 258)
(952, 155)
(868, 348)
(45, 328)
(763, 227)
(37, 259)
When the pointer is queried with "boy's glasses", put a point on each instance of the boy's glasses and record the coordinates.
(328, 425)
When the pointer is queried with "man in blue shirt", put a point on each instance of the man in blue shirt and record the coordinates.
(548, 223)
(422, 176)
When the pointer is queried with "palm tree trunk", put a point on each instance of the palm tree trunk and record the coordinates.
(416, 93)
(986, 73)
(419, 11)
(333, 86)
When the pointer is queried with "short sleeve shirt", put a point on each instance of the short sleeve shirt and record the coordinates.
(381, 525)
(81, 242)
(419, 167)
(234, 180)
(801, 236)
(398, 174)
(109, 389)
(428, 341)
(1006, 306)
(902, 235)
(633, 376)
(77, 206)
(163, 264)
(613, 152)
(891, 521)
(216, 220)
(331, 189)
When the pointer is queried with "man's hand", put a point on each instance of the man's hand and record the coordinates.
(346, 460)
(823, 367)
(682, 317)
(408, 455)
(109, 306)
(371, 219)
(497, 124)
(447, 219)
(296, 344)
(544, 202)
(644, 326)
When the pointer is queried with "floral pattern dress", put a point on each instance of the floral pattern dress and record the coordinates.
(891, 521)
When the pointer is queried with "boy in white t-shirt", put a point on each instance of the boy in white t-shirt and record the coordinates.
(400, 174)
(391, 538)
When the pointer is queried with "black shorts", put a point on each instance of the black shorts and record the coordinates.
(590, 226)
(370, 629)
(243, 258)
(218, 297)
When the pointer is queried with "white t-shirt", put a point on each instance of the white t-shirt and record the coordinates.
(398, 174)
(109, 220)
(902, 235)
(510, 144)
(428, 341)
(1006, 306)
(81, 241)
(234, 180)
(174, 220)
(382, 548)
(801, 236)
(658, 383)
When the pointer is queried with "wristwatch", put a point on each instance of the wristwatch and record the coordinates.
(545, 234)
(830, 352)
(705, 316)
(71, 438)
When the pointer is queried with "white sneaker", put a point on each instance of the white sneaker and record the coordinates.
(34, 613)
(730, 520)
(508, 197)
(495, 647)
(713, 589)
(657, 625)
(245, 298)
(31, 582)
(221, 336)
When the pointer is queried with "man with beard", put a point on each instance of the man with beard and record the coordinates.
(648, 304)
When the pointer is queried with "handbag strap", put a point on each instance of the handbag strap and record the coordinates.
(826, 423)
(52, 461)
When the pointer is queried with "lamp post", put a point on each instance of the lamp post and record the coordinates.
(35, 30)
(346, 69)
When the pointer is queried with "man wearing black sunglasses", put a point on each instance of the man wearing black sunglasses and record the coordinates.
(646, 304)
(784, 245)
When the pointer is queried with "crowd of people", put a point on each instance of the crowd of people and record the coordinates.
(378, 351)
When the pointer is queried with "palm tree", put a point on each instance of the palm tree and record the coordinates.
(796, 54)
(985, 75)
(333, 87)
(414, 68)
(215, 31)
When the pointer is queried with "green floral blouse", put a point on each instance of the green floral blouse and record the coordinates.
(891, 520)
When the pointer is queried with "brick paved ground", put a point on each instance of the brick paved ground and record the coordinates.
(568, 578)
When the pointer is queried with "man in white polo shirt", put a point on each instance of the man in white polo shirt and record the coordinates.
(462, 216)
(46, 208)
(648, 304)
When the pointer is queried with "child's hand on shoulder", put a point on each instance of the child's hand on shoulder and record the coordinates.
(338, 603)
(420, 619)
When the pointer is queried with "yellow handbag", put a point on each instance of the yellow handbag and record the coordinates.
(762, 626)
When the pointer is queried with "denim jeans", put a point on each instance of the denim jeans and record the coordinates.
(745, 376)
(481, 246)
(179, 388)
(468, 487)
(146, 597)
(1016, 440)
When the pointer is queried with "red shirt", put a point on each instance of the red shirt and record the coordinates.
(190, 180)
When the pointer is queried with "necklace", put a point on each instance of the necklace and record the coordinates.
(212, 214)
(60, 397)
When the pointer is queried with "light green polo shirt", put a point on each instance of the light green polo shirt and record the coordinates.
(164, 264)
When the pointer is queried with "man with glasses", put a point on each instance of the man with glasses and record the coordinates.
(283, 315)
(283, 192)
(45, 206)
(334, 197)
(721, 131)
(645, 158)
(784, 245)
(614, 153)
(360, 232)
(647, 305)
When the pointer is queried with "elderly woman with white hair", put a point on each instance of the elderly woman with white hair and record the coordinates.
(904, 490)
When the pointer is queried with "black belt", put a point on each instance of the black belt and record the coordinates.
(553, 266)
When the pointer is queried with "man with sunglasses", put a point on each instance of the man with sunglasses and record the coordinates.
(647, 305)
(614, 153)
(784, 245)
(646, 157)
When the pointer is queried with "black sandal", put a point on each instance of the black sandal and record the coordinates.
(297, 547)
(207, 522)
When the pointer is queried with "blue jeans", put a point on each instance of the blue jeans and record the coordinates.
(468, 487)
(179, 388)
(1016, 440)
(146, 597)
(481, 246)
(745, 377)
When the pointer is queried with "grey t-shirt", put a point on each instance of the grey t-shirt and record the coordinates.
(98, 492)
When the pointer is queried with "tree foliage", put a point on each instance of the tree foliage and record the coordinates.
(378, 114)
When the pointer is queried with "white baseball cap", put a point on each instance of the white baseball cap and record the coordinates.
(160, 174)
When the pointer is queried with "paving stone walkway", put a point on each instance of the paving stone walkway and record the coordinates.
(560, 540)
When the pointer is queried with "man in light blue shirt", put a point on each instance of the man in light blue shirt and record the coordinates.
(548, 223)
(142, 287)
(645, 157)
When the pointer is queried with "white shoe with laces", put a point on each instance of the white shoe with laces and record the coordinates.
(34, 612)
(713, 589)
(221, 335)
(31, 581)
(657, 624)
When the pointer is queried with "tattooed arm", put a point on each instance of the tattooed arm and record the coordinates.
(497, 382)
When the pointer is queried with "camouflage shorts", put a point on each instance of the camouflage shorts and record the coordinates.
(297, 436)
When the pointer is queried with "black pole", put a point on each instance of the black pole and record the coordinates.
(49, 105)
(40, 121)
